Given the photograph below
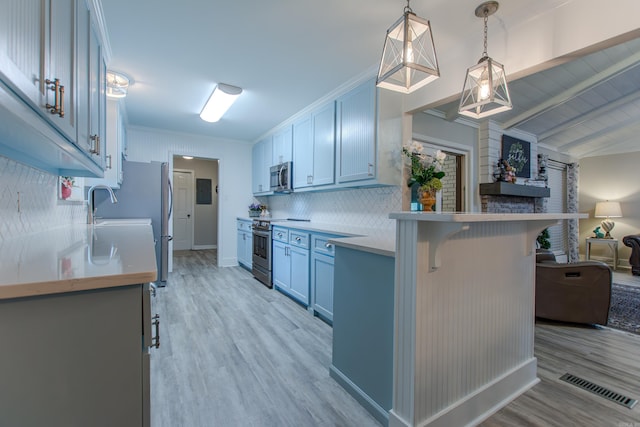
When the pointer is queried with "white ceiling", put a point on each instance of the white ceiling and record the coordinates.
(286, 54)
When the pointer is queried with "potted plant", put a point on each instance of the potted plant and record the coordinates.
(425, 172)
(255, 209)
(66, 186)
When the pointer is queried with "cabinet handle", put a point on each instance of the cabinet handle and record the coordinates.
(369, 169)
(54, 109)
(155, 341)
(95, 147)
(61, 113)
(328, 245)
(309, 179)
(298, 239)
(109, 165)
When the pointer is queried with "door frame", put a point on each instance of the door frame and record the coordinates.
(220, 192)
(468, 167)
(193, 203)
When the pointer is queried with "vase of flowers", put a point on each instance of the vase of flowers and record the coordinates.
(425, 172)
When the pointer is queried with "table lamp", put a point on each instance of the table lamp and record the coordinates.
(608, 210)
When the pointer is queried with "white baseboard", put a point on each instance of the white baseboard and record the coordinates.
(202, 247)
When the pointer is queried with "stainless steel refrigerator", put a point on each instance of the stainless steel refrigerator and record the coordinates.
(145, 193)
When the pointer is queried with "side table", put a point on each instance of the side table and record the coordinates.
(612, 243)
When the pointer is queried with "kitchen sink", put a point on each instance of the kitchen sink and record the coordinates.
(100, 222)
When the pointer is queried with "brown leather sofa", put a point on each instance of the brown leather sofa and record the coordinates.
(633, 241)
(578, 292)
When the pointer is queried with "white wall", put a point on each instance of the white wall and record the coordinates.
(234, 157)
(614, 178)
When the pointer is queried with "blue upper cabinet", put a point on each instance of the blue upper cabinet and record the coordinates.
(356, 134)
(41, 44)
(282, 142)
(314, 148)
(262, 157)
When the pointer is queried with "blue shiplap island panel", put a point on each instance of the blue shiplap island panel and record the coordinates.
(363, 328)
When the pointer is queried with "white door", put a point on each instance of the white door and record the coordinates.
(182, 210)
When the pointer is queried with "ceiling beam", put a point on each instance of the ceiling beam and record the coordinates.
(574, 91)
(606, 149)
(594, 113)
(608, 132)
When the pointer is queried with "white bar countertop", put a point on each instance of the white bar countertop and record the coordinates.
(76, 258)
(483, 217)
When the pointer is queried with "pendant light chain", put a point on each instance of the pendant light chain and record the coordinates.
(486, 18)
(407, 8)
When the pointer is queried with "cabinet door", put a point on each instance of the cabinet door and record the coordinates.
(241, 247)
(261, 163)
(322, 285)
(324, 143)
(281, 267)
(98, 143)
(300, 274)
(83, 42)
(248, 254)
(302, 153)
(60, 63)
(282, 142)
(356, 136)
(21, 47)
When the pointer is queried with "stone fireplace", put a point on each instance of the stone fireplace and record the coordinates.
(504, 197)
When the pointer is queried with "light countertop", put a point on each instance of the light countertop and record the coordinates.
(75, 258)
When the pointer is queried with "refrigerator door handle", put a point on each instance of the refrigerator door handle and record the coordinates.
(170, 199)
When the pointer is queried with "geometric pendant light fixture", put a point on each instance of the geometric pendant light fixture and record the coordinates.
(409, 56)
(485, 90)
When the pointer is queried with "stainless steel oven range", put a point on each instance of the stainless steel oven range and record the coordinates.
(261, 258)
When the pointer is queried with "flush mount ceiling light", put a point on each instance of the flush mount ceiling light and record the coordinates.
(409, 56)
(485, 89)
(219, 102)
(117, 84)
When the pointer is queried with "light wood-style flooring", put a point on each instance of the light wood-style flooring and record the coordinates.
(234, 353)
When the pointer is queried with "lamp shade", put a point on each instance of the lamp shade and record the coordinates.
(409, 59)
(608, 210)
(219, 102)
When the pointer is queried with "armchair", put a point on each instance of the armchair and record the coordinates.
(633, 241)
(578, 292)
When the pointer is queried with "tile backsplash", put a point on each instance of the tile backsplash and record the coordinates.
(29, 201)
(363, 207)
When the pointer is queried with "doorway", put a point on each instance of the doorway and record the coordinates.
(202, 202)
(182, 210)
(452, 198)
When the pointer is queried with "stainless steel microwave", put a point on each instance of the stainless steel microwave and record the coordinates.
(281, 178)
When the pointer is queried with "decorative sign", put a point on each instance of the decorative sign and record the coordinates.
(203, 191)
(518, 154)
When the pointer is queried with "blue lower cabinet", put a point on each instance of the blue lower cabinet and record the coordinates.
(322, 285)
(290, 268)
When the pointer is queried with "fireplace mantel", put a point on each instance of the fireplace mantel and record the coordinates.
(507, 189)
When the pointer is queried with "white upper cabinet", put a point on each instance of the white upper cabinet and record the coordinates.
(282, 142)
(356, 134)
(302, 153)
(44, 85)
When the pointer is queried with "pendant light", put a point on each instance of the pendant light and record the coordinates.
(409, 56)
(485, 90)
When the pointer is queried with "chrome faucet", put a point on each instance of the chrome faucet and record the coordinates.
(91, 210)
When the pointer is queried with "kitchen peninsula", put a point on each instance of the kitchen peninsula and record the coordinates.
(75, 326)
(462, 332)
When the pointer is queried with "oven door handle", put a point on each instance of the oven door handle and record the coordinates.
(261, 233)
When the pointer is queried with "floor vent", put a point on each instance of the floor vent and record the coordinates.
(599, 390)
